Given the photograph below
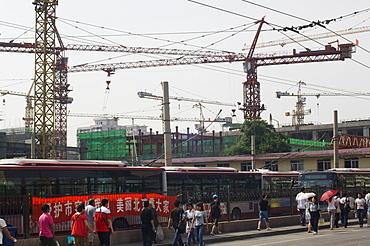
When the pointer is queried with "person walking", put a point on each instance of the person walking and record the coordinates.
(80, 226)
(308, 215)
(6, 232)
(90, 214)
(337, 210)
(175, 217)
(46, 225)
(264, 204)
(345, 208)
(315, 213)
(147, 225)
(332, 206)
(103, 223)
(301, 207)
(200, 223)
(360, 208)
(189, 215)
(155, 218)
(215, 214)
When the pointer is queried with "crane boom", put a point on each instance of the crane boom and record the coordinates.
(144, 94)
(283, 42)
(123, 116)
(280, 94)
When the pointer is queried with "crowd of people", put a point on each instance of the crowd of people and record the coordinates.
(338, 209)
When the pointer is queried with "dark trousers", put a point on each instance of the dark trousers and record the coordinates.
(360, 216)
(104, 238)
(148, 236)
(47, 241)
(302, 216)
(315, 221)
(344, 219)
(336, 220)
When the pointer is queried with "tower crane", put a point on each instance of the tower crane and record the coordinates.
(50, 66)
(299, 113)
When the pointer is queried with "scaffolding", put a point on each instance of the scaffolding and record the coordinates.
(105, 145)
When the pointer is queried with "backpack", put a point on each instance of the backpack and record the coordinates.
(215, 211)
(346, 206)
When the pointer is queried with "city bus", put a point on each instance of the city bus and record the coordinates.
(24, 179)
(239, 192)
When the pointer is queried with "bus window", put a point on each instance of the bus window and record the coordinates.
(9, 185)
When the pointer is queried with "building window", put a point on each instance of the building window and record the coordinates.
(351, 162)
(323, 164)
(272, 165)
(223, 165)
(199, 165)
(297, 165)
(245, 166)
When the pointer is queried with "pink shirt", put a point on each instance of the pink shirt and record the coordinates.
(45, 222)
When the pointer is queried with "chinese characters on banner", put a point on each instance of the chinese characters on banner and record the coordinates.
(62, 208)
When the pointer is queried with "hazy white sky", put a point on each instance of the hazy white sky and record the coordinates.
(165, 23)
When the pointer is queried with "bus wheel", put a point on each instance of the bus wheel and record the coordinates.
(236, 214)
(120, 224)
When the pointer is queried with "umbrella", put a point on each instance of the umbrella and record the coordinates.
(328, 194)
(302, 196)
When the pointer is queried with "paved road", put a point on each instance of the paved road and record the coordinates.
(351, 236)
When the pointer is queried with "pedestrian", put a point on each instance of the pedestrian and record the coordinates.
(308, 215)
(360, 208)
(147, 225)
(103, 223)
(301, 207)
(4, 229)
(46, 225)
(215, 214)
(155, 218)
(315, 213)
(344, 208)
(337, 210)
(90, 214)
(175, 217)
(264, 204)
(189, 215)
(80, 227)
(332, 206)
(368, 211)
(200, 222)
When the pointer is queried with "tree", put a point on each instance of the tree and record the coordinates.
(267, 140)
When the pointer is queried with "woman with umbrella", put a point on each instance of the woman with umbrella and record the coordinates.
(315, 212)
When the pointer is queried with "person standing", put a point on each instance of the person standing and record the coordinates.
(103, 223)
(200, 222)
(337, 210)
(189, 216)
(175, 217)
(147, 225)
(344, 208)
(301, 206)
(360, 208)
(264, 204)
(155, 218)
(332, 208)
(315, 213)
(90, 214)
(80, 226)
(6, 232)
(46, 225)
(215, 214)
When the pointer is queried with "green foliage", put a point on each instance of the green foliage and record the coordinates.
(267, 140)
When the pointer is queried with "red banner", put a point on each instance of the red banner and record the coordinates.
(62, 208)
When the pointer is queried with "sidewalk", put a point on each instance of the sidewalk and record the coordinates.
(244, 234)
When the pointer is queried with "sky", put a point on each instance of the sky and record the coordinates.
(205, 24)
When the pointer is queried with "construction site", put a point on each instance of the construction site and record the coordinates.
(49, 99)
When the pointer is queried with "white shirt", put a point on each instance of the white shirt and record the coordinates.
(331, 204)
(189, 217)
(2, 225)
(301, 203)
(360, 203)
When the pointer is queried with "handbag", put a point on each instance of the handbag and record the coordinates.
(181, 227)
(321, 221)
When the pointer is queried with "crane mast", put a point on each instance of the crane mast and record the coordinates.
(45, 55)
